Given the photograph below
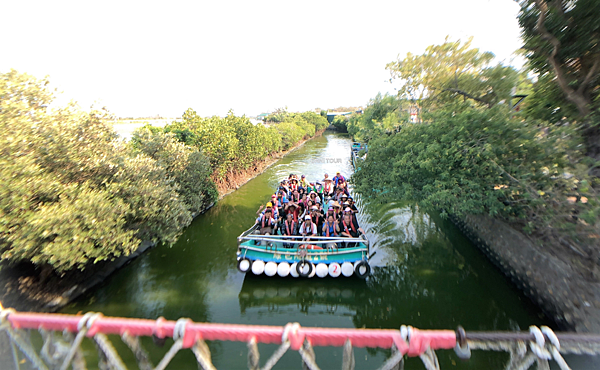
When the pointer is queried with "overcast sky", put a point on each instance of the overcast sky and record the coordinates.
(147, 58)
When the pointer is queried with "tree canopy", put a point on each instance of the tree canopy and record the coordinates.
(452, 70)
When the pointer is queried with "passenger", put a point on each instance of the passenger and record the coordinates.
(343, 199)
(317, 218)
(303, 182)
(280, 198)
(343, 184)
(338, 177)
(286, 187)
(293, 208)
(353, 207)
(338, 194)
(294, 184)
(331, 227)
(289, 228)
(295, 197)
(313, 196)
(331, 212)
(308, 229)
(274, 201)
(319, 190)
(266, 223)
(311, 187)
(328, 188)
(302, 191)
(349, 228)
(337, 209)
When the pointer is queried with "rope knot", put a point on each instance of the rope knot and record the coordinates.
(292, 333)
(179, 333)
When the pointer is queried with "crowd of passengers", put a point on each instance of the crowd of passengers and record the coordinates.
(310, 209)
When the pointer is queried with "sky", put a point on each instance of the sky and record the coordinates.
(148, 58)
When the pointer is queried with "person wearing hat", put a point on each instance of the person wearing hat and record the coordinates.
(328, 186)
(331, 212)
(268, 207)
(343, 197)
(349, 227)
(308, 229)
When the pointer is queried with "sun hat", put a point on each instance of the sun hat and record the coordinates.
(314, 208)
(345, 204)
(330, 209)
(307, 217)
(348, 210)
(336, 204)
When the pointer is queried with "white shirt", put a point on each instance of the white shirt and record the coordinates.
(304, 226)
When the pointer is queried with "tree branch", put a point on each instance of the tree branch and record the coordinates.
(589, 76)
(575, 97)
(464, 93)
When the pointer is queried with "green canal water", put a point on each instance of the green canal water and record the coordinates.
(426, 274)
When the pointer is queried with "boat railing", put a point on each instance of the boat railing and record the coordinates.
(327, 243)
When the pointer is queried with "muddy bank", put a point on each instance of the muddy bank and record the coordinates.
(549, 278)
(234, 182)
(22, 288)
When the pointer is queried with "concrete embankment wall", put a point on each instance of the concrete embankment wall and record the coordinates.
(566, 296)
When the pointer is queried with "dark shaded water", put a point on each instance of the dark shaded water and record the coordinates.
(427, 275)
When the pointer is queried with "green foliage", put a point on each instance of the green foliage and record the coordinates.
(340, 123)
(451, 71)
(469, 160)
(185, 164)
(233, 144)
(71, 193)
(383, 115)
(565, 54)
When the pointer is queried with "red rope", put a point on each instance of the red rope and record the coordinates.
(420, 340)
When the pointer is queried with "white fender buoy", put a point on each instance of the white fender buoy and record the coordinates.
(293, 270)
(347, 269)
(258, 267)
(334, 269)
(314, 270)
(270, 268)
(283, 269)
(322, 270)
(244, 264)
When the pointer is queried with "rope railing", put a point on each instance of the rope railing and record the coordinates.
(538, 346)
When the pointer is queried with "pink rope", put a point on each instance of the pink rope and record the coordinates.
(420, 340)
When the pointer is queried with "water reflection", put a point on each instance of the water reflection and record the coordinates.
(427, 274)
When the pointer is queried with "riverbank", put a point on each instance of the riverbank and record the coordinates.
(550, 277)
(23, 289)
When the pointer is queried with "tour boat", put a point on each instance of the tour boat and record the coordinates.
(291, 256)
